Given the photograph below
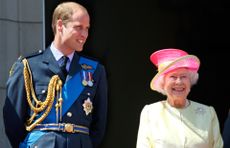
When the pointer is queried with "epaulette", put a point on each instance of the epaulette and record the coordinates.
(36, 53)
(21, 58)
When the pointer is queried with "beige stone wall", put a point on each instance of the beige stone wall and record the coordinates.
(21, 32)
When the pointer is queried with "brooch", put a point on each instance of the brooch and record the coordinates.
(200, 110)
(87, 106)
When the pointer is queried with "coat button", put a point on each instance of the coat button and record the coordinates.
(69, 114)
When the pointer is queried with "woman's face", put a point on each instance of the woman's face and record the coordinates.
(177, 84)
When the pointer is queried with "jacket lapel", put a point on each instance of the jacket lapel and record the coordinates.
(74, 67)
(52, 64)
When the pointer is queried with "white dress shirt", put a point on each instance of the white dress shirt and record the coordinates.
(58, 55)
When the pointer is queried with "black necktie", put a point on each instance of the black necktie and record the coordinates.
(63, 65)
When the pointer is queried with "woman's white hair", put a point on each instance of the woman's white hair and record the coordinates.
(193, 76)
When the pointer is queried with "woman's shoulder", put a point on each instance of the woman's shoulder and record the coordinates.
(200, 107)
(154, 107)
(155, 104)
(198, 104)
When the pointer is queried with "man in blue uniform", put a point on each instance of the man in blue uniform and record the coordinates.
(51, 106)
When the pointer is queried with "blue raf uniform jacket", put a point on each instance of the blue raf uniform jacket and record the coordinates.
(43, 66)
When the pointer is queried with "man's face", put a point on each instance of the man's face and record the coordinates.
(75, 32)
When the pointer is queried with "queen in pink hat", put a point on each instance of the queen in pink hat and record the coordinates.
(177, 122)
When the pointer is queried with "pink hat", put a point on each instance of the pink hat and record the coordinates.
(170, 59)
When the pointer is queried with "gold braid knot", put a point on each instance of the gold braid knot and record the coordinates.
(54, 88)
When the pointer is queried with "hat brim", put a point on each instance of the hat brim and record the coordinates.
(189, 61)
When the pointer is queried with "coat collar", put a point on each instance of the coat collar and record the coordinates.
(52, 64)
(74, 66)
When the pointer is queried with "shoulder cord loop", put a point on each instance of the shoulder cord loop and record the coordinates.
(54, 87)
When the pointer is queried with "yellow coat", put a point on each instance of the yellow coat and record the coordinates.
(163, 126)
